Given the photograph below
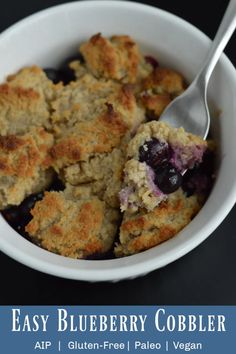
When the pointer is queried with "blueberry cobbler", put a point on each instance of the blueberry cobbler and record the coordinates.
(86, 169)
(158, 156)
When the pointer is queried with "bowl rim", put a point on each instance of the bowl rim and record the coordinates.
(138, 264)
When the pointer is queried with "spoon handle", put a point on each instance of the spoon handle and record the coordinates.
(222, 37)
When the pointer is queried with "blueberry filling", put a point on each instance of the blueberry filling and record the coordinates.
(67, 74)
(53, 75)
(196, 182)
(199, 179)
(155, 153)
(207, 165)
(163, 175)
(19, 216)
(64, 73)
(168, 178)
(99, 256)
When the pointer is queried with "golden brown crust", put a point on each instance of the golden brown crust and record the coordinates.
(100, 176)
(88, 125)
(22, 154)
(23, 163)
(19, 109)
(25, 101)
(143, 230)
(33, 77)
(155, 103)
(116, 58)
(163, 131)
(33, 70)
(164, 80)
(84, 129)
(73, 228)
(88, 99)
(159, 88)
(17, 93)
(88, 138)
(10, 143)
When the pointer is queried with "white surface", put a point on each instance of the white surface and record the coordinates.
(50, 36)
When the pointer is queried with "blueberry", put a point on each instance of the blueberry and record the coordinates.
(199, 180)
(56, 185)
(168, 179)
(18, 217)
(65, 75)
(150, 115)
(152, 61)
(53, 75)
(28, 204)
(208, 162)
(154, 152)
(99, 256)
(14, 218)
(195, 181)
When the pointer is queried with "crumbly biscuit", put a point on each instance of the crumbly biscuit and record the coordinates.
(155, 104)
(116, 58)
(88, 139)
(79, 68)
(101, 174)
(140, 190)
(25, 101)
(85, 131)
(90, 117)
(88, 98)
(187, 148)
(81, 101)
(34, 77)
(73, 227)
(24, 165)
(143, 230)
(164, 81)
(159, 88)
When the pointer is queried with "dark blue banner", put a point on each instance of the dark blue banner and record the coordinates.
(115, 329)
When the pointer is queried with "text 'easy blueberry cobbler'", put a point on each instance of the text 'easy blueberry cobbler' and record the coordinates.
(86, 169)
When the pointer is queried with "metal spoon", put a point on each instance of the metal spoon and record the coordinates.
(190, 109)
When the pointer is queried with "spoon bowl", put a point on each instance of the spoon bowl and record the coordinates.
(190, 110)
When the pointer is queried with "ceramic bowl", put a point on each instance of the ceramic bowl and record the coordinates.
(48, 37)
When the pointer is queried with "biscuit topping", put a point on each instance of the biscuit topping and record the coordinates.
(86, 170)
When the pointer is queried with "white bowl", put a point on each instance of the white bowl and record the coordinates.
(50, 36)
